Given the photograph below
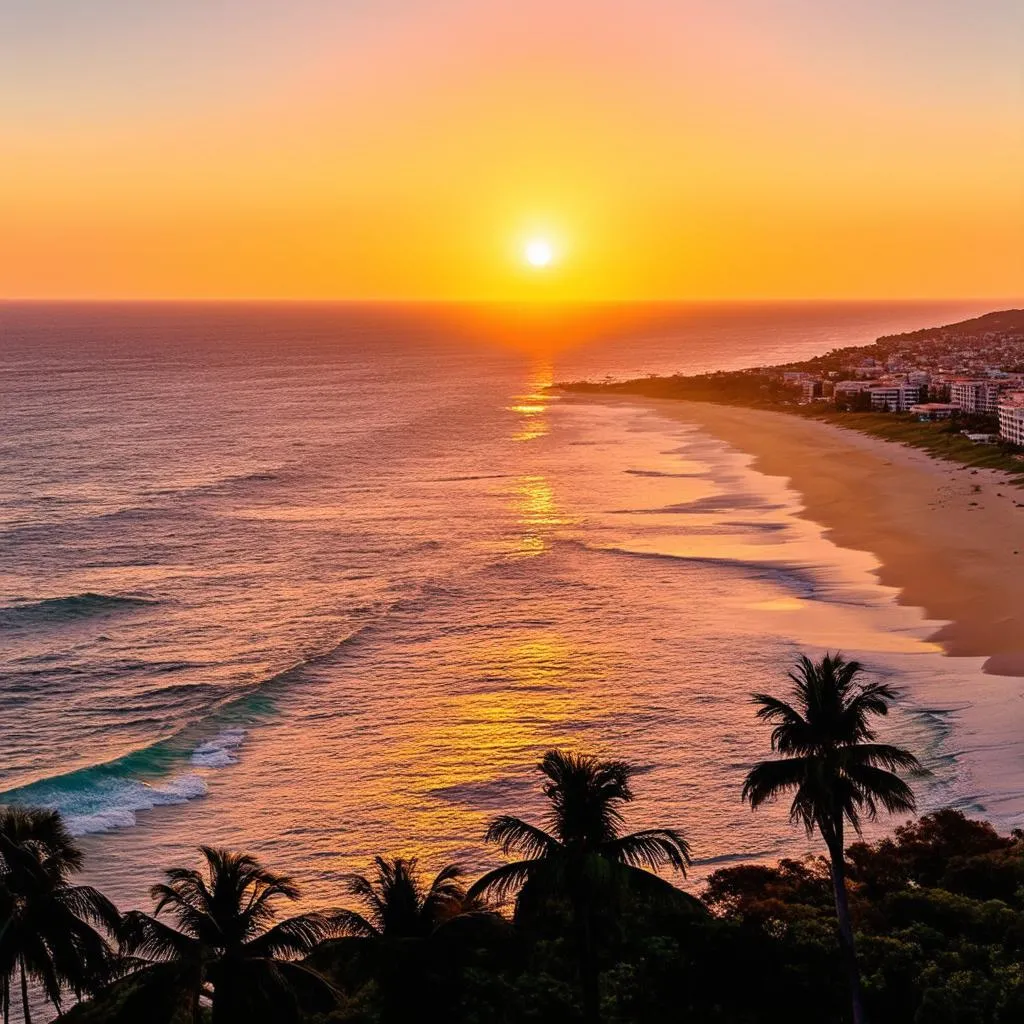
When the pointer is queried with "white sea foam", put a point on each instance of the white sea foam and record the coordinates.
(220, 751)
(115, 803)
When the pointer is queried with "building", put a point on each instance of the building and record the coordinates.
(1011, 417)
(894, 397)
(810, 390)
(977, 397)
(845, 392)
(935, 410)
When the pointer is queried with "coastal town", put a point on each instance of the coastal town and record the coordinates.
(968, 376)
(972, 370)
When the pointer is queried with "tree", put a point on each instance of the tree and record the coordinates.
(47, 925)
(397, 905)
(581, 855)
(226, 945)
(411, 938)
(834, 768)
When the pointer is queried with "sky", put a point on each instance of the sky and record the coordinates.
(410, 149)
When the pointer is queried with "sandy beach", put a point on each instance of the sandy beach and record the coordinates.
(949, 538)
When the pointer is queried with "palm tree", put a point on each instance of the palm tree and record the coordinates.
(581, 854)
(834, 768)
(47, 932)
(226, 945)
(410, 938)
(398, 905)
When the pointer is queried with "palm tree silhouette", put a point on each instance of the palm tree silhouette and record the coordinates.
(835, 770)
(47, 931)
(581, 854)
(226, 945)
(398, 905)
(411, 937)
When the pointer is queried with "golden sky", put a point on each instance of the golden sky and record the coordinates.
(410, 148)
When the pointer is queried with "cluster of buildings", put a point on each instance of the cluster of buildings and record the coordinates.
(973, 369)
(929, 394)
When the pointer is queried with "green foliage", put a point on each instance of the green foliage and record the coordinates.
(934, 942)
(938, 909)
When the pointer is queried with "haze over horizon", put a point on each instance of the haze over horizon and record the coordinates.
(404, 150)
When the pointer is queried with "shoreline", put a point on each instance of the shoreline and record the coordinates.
(949, 539)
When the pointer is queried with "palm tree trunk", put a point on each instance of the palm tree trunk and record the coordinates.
(847, 945)
(24, 995)
(589, 980)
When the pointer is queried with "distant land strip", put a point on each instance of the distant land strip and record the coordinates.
(955, 391)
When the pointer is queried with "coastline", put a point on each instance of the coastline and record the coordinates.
(949, 538)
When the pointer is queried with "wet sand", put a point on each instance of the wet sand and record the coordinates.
(949, 538)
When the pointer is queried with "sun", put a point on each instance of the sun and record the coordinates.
(539, 253)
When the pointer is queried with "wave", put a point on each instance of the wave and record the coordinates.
(173, 770)
(224, 483)
(472, 476)
(725, 503)
(221, 750)
(122, 801)
(800, 575)
(72, 606)
(100, 799)
(659, 473)
(109, 796)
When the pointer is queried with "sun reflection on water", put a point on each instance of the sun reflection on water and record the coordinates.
(524, 696)
(533, 405)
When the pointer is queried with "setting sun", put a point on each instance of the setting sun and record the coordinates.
(539, 253)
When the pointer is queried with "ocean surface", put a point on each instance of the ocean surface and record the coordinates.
(324, 582)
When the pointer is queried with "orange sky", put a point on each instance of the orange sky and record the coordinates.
(407, 148)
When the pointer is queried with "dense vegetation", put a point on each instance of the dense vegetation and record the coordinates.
(924, 927)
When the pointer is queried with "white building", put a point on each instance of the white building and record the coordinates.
(1011, 417)
(894, 397)
(976, 396)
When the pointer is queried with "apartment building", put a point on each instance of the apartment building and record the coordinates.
(894, 397)
(978, 397)
(1011, 417)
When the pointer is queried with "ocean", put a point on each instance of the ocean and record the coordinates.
(322, 582)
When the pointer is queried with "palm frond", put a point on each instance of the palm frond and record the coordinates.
(514, 835)
(853, 722)
(651, 848)
(351, 923)
(296, 936)
(89, 904)
(878, 786)
(192, 918)
(363, 889)
(768, 780)
(504, 881)
(445, 898)
(141, 935)
(881, 755)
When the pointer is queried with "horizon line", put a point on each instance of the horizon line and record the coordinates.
(412, 301)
